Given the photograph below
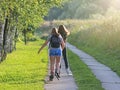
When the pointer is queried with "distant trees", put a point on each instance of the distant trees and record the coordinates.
(80, 9)
(17, 16)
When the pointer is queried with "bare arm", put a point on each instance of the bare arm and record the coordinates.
(44, 44)
(68, 33)
(62, 44)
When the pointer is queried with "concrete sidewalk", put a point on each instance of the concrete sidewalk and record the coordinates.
(109, 79)
(66, 81)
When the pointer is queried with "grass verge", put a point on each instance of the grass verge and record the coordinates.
(82, 74)
(24, 69)
(110, 59)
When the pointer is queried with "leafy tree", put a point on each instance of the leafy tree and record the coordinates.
(17, 15)
(81, 9)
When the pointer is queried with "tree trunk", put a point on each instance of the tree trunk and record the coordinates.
(25, 37)
(1, 40)
(11, 36)
(15, 38)
(7, 39)
(5, 43)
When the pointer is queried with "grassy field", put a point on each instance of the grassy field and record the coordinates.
(82, 74)
(100, 40)
(24, 69)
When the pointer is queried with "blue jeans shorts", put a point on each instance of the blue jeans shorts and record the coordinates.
(55, 52)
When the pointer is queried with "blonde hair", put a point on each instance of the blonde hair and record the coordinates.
(55, 32)
(62, 28)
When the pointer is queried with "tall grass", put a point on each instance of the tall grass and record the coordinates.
(24, 69)
(101, 40)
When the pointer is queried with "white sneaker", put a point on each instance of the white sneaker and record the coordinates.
(68, 72)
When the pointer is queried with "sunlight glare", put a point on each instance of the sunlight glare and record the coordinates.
(115, 4)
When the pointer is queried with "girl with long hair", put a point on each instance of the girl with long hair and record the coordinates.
(55, 52)
(64, 33)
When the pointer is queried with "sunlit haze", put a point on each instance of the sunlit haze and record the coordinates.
(115, 4)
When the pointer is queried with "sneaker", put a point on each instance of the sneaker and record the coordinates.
(57, 75)
(51, 77)
(68, 71)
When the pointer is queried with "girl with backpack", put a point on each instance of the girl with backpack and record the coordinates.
(55, 52)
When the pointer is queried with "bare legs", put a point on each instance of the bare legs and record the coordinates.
(54, 62)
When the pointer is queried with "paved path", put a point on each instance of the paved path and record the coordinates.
(66, 82)
(109, 79)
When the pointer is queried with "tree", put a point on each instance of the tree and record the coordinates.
(81, 9)
(18, 15)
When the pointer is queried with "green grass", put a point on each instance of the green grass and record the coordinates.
(24, 69)
(83, 76)
(111, 59)
(101, 40)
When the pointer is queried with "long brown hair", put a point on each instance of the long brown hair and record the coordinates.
(62, 29)
(55, 31)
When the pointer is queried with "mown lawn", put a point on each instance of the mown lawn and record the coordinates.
(24, 69)
(83, 76)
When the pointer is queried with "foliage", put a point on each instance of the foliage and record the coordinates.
(19, 15)
(25, 12)
(101, 40)
(82, 9)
